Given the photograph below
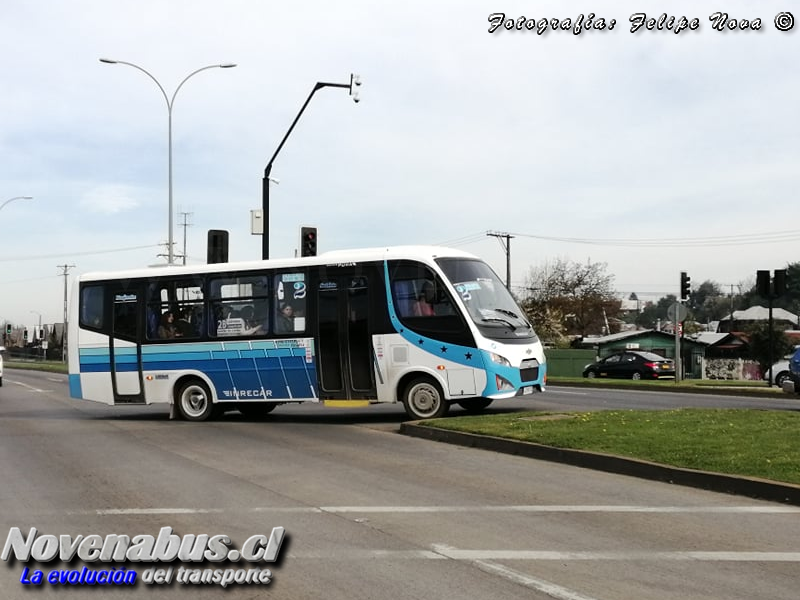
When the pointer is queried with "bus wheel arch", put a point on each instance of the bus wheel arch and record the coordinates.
(194, 400)
(423, 397)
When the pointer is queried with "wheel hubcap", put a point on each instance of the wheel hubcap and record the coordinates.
(195, 401)
(425, 399)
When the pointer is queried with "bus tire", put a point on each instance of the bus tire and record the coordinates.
(475, 405)
(256, 410)
(194, 401)
(423, 399)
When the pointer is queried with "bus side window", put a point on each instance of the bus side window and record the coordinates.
(92, 306)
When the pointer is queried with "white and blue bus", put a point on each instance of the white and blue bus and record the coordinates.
(343, 328)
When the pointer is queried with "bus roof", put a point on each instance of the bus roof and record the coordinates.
(326, 258)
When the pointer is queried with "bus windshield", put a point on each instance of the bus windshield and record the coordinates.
(487, 300)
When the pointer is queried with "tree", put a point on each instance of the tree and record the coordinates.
(759, 348)
(708, 302)
(652, 313)
(579, 295)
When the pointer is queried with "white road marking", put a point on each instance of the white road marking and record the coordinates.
(546, 587)
(152, 511)
(551, 390)
(30, 387)
(442, 551)
(766, 509)
(354, 554)
(457, 554)
(546, 508)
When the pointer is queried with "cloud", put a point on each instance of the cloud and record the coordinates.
(109, 200)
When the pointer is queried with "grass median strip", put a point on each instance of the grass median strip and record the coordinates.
(752, 443)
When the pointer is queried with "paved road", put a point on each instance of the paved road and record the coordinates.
(373, 514)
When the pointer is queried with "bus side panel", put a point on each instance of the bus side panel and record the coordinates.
(459, 370)
(90, 368)
(277, 370)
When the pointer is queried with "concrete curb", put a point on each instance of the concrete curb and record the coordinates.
(717, 482)
(716, 391)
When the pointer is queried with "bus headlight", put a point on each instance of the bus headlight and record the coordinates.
(500, 360)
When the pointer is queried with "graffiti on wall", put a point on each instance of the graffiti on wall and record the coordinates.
(731, 368)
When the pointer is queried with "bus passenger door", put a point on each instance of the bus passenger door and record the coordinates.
(125, 350)
(345, 336)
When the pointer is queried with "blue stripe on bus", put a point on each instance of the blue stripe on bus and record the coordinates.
(176, 356)
(93, 360)
(286, 368)
(75, 390)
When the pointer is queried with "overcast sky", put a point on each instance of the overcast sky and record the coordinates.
(687, 142)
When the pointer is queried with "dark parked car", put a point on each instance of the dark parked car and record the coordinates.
(632, 364)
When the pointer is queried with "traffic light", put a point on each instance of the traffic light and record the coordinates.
(41, 334)
(308, 241)
(779, 282)
(685, 285)
(762, 284)
(8, 328)
(217, 246)
(25, 334)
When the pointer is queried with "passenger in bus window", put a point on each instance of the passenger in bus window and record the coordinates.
(285, 321)
(258, 325)
(167, 329)
(184, 325)
(423, 307)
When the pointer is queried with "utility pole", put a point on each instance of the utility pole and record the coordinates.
(66, 269)
(185, 224)
(507, 248)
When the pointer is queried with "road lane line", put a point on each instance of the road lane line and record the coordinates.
(548, 555)
(568, 508)
(555, 508)
(546, 587)
(30, 387)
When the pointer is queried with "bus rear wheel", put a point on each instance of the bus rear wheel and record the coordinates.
(475, 405)
(194, 401)
(423, 399)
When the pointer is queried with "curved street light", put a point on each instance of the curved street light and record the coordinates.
(15, 198)
(170, 102)
(355, 83)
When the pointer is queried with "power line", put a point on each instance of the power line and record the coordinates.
(725, 240)
(86, 253)
(773, 237)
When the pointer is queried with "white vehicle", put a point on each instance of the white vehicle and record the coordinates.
(780, 373)
(345, 328)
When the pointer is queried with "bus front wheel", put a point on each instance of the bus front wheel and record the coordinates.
(194, 401)
(423, 399)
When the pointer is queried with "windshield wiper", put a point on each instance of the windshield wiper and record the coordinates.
(511, 325)
(507, 312)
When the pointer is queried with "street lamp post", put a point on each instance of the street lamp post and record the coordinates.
(170, 102)
(355, 81)
(15, 198)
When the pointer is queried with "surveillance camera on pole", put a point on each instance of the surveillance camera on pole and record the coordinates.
(355, 83)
